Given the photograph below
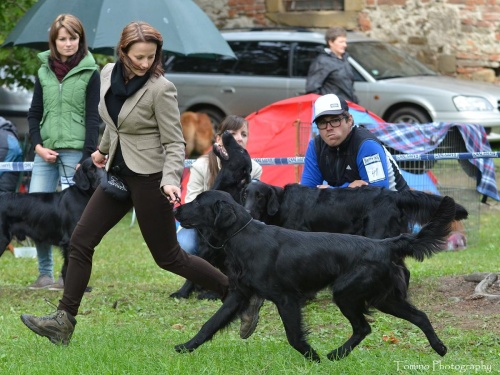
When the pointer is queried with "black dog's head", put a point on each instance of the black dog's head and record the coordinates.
(88, 176)
(236, 166)
(261, 200)
(213, 211)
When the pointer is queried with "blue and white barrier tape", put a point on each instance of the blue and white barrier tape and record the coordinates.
(28, 166)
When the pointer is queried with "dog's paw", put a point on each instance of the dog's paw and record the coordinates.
(182, 348)
(212, 296)
(440, 348)
(178, 295)
(338, 354)
(312, 356)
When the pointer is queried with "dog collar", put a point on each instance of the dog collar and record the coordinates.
(224, 243)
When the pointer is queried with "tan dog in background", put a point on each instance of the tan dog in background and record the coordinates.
(198, 133)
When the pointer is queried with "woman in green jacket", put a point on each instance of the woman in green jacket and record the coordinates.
(63, 119)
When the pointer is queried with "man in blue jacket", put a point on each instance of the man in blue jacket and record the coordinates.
(346, 155)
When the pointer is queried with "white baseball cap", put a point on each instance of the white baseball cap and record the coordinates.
(329, 104)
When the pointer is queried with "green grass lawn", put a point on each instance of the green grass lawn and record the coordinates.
(129, 325)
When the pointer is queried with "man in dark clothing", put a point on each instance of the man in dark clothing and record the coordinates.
(345, 155)
(10, 151)
(330, 72)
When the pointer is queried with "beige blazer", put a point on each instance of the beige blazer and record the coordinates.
(148, 128)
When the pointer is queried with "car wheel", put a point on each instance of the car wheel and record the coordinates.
(410, 115)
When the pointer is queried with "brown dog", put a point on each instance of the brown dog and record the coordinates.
(198, 133)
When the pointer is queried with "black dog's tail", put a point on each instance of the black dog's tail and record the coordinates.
(420, 206)
(431, 238)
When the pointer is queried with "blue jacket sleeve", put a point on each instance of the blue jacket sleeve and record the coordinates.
(311, 175)
(372, 164)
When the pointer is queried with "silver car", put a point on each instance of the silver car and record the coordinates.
(272, 65)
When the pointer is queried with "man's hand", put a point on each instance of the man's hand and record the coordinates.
(357, 183)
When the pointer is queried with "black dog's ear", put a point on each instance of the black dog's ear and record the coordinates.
(273, 205)
(80, 178)
(224, 215)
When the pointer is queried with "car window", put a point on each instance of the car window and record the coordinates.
(384, 61)
(253, 59)
(357, 76)
(187, 64)
(265, 58)
(304, 53)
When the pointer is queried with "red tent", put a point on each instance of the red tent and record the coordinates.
(283, 129)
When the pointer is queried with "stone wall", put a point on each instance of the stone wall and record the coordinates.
(460, 37)
(456, 37)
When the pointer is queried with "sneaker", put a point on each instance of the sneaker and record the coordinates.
(57, 327)
(58, 285)
(250, 317)
(42, 282)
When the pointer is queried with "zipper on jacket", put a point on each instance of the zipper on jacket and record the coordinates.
(60, 110)
(337, 168)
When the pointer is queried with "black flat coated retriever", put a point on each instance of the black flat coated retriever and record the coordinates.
(234, 175)
(236, 167)
(48, 217)
(283, 265)
(366, 211)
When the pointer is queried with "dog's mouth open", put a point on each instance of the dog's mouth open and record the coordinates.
(221, 151)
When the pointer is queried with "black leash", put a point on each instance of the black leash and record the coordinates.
(224, 243)
(59, 161)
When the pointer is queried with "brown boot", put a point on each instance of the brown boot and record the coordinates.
(57, 327)
(250, 317)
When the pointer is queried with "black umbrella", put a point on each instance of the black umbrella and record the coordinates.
(185, 28)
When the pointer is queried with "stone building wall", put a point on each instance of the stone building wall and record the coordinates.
(453, 36)
(456, 37)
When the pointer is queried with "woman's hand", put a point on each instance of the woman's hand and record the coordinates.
(50, 156)
(99, 159)
(173, 193)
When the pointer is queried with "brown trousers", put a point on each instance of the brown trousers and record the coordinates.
(157, 224)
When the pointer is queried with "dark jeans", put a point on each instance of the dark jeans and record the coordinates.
(157, 225)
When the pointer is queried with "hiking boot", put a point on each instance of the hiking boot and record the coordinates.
(42, 282)
(58, 285)
(57, 327)
(250, 317)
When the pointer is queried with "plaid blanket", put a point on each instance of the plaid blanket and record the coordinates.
(424, 138)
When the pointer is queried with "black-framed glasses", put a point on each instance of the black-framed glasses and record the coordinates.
(334, 123)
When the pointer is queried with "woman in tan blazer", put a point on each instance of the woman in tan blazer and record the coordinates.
(142, 143)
